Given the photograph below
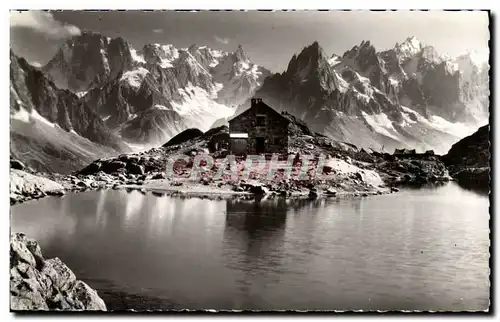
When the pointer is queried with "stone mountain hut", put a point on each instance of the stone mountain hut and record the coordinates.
(259, 130)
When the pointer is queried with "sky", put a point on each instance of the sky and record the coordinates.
(270, 38)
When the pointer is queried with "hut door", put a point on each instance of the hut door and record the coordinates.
(260, 146)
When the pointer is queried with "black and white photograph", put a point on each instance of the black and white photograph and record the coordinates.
(250, 161)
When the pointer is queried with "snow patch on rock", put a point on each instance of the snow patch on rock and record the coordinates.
(381, 124)
(22, 115)
(135, 77)
(136, 57)
(438, 123)
(199, 108)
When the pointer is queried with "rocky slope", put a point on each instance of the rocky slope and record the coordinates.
(149, 95)
(469, 159)
(52, 129)
(37, 283)
(408, 96)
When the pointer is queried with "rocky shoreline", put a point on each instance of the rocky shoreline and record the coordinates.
(347, 171)
(37, 283)
(469, 160)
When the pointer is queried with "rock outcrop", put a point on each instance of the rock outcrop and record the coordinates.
(25, 186)
(469, 159)
(37, 283)
(411, 169)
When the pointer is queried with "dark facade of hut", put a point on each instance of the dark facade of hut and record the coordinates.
(259, 130)
(405, 152)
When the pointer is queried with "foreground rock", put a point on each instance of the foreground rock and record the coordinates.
(411, 170)
(25, 186)
(468, 160)
(37, 283)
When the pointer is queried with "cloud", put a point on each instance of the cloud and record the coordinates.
(42, 22)
(158, 31)
(35, 64)
(224, 41)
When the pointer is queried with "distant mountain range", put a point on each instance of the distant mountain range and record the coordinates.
(100, 96)
(408, 96)
(150, 95)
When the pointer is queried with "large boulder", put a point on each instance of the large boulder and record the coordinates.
(92, 168)
(134, 168)
(40, 284)
(25, 186)
(184, 136)
(16, 164)
(113, 166)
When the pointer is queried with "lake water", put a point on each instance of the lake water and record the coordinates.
(425, 249)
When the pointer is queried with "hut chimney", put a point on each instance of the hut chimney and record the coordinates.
(255, 101)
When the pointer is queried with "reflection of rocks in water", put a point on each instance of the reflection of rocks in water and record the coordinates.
(123, 298)
(480, 189)
(259, 225)
(431, 186)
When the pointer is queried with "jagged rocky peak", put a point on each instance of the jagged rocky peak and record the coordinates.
(89, 59)
(308, 60)
(430, 54)
(186, 58)
(87, 43)
(241, 55)
(314, 50)
(364, 48)
(160, 54)
(363, 57)
(410, 47)
(205, 56)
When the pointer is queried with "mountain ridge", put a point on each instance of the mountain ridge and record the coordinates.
(409, 96)
(157, 85)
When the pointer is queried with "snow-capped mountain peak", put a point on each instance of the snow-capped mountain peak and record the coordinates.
(408, 48)
(408, 96)
(125, 86)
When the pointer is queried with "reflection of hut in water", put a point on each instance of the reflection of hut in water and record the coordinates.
(254, 240)
(256, 217)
